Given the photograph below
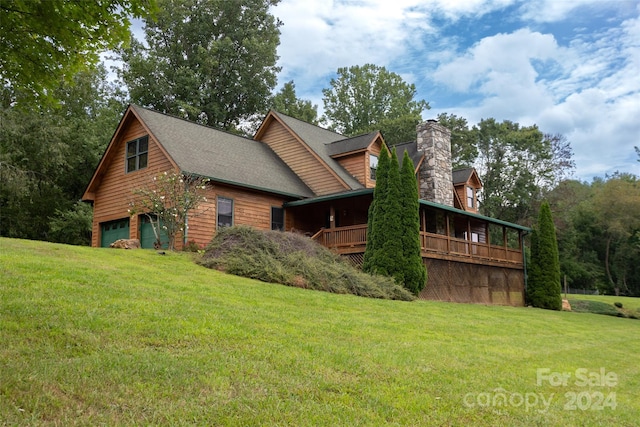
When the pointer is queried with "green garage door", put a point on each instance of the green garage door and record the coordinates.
(113, 230)
(147, 237)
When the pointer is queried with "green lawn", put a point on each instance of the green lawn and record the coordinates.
(115, 337)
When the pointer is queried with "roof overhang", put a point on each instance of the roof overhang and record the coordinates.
(369, 191)
(330, 197)
(474, 215)
(240, 185)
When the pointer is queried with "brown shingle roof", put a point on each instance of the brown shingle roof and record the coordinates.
(411, 148)
(222, 156)
(347, 145)
(460, 176)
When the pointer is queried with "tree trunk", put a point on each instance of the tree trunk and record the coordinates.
(606, 265)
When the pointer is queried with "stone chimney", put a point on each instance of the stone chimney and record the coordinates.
(436, 182)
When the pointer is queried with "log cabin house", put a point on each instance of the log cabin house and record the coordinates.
(296, 176)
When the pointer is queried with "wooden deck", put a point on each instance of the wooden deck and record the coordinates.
(353, 240)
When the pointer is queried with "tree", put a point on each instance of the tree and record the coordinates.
(367, 98)
(579, 236)
(286, 102)
(464, 150)
(616, 203)
(415, 273)
(48, 153)
(375, 218)
(517, 165)
(167, 201)
(543, 286)
(393, 230)
(44, 43)
(72, 226)
(210, 61)
(389, 259)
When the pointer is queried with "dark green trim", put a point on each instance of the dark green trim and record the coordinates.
(336, 196)
(237, 184)
(474, 215)
(365, 191)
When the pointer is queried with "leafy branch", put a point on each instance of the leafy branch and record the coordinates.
(167, 200)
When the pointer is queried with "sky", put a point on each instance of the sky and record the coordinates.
(570, 66)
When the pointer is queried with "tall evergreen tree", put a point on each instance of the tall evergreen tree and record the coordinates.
(375, 220)
(415, 273)
(543, 287)
(390, 258)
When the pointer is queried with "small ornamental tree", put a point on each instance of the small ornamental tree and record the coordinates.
(543, 288)
(415, 272)
(167, 201)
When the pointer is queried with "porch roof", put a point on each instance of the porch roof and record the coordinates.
(369, 191)
(474, 215)
(329, 197)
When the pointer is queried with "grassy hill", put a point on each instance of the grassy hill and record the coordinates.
(114, 337)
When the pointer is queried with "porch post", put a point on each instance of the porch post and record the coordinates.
(469, 239)
(487, 238)
(446, 221)
(504, 241)
(332, 217)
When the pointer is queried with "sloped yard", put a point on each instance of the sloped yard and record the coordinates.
(114, 337)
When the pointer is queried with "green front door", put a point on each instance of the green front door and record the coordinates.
(147, 237)
(113, 230)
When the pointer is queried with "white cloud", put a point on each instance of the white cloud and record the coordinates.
(583, 82)
(503, 56)
(588, 90)
(318, 36)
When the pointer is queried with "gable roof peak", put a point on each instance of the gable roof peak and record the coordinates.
(220, 155)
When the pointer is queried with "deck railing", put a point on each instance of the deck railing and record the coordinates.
(342, 237)
(354, 238)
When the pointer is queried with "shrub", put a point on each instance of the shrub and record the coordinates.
(618, 304)
(191, 246)
(596, 307)
(294, 260)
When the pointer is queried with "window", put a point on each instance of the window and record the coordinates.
(277, 218)
(137, 154)
(373, 166)
(225, 212)
(470, 197)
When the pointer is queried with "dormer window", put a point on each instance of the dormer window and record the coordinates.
(137, 154)
(373, 166)
(471, 195)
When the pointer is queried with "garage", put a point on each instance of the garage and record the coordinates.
(113, 230)
(147, 236)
